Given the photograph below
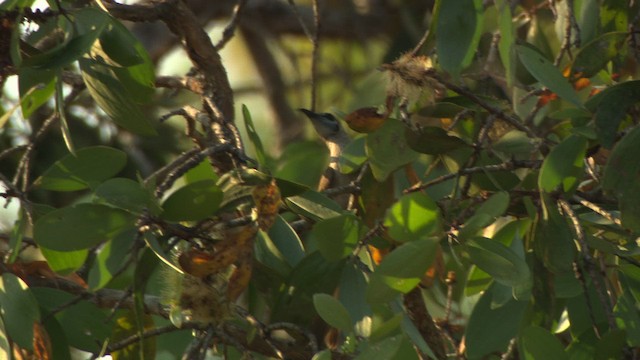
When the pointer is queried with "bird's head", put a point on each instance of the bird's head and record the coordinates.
(326, 125)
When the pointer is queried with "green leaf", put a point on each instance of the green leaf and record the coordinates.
(539, 343)
(111, 257)
(12, 4)
(595, 55)
(458, 33)
(287, 241)
(36, 88)
(80, 226)
(303, 163)
(322, 355)
(388, 150)
(128, 60)
(112, 96)
(610, 107)
(490, 329)
(5, 348)
(19, 310)
(254, 138)
(514, 142)
(441, 109)
(193, 202)
(563, 165)
(614, 15)
(87, 168)
(485, 215)
(333, 312)
(84, 325)
(627, 316)
(433, 140)
(353, 155)
(64, 262)
(352, 294)
(553, 242)
(383, 350)
(314, 205)
(336, 237)
(401, 270)
(507, 40)
(61, 113)
(414, 217)
(547, 74)
(477, 281)
(90, 22)
(153, 244)
(269, 255)
(621, 178)
(128, 195)
(127, 325)
(612, 345)
(505, 266)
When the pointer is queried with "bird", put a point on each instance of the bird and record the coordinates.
(336, 139)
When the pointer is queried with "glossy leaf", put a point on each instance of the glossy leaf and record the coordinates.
(538, 343)
(5, 348)
(513, 143)
(92, 21)
(128, 195)
(314, 205)
(287, 241)
(499, 261)
(387, 149)
(193, 202)
(457, 34)
(507, 40)
(36, 88)
(84, 325)
(333, 312)
(64, 262)
(128, 59)
(563, 166)
(610, 107)
(80, 226)
(383, 350)
(400, 271)
(336, 237)
(621, 178)
(19, 310)
(110, 258)
(485, 215)
(353, 155)
(595, 55)
(553, 242)
(87, 168)
(269, 255)
(433, 140)
(547, 74)
(415, 216)
(490, 329)
(254, 137)
(125, 326)
(111, 95)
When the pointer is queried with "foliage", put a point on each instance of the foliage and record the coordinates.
(491, 188)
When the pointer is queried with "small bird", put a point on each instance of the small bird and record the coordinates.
(336, 139)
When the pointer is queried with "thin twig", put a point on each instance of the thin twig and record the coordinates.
(509, 165)
(315, 54)
(598, 210)
(588, 261)
(230, 29)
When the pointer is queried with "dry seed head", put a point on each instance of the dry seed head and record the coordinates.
(408, 74)
(202, 300)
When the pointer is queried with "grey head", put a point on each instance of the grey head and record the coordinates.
(326, 125)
